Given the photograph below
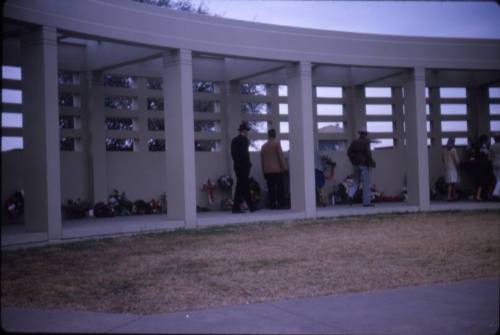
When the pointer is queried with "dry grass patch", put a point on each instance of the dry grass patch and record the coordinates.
(252, 263)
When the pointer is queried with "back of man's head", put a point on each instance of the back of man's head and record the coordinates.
(271, 133)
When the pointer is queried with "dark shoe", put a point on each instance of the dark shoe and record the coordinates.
(252, 209)
(237, 211)
(369, 205)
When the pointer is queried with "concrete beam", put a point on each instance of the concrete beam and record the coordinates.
(105, 56)
(130, 62)
(268, 71)
(240, 69)
(368, 75)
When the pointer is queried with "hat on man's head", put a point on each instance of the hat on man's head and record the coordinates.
(362, 130)
(244, 126)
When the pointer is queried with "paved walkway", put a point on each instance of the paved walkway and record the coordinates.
(460, 308)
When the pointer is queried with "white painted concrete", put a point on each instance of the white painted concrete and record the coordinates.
(97, 36)
(301, 161)
(111, 19)
(41, 136)
(417, 165)
(179, 136)
(97, 149)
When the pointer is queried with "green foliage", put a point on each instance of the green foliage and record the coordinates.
(182, 5)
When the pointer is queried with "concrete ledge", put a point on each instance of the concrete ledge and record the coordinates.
(463, 206)
(358, 209)
(24, 238)
(118, 225)
(15, 237)
(265, 215)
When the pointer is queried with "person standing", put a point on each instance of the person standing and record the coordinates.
(360, 155)
(451, 161)
(495, 161)
(319, 178)
(273, 167)
(482, 167)
(242, 165)
(319, 168)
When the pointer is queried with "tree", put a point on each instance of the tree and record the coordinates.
(182, 5)
(204, 86)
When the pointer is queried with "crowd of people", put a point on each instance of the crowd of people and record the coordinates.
(482, 162)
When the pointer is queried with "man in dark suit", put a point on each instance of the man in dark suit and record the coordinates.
(242, 165)
(360, 155)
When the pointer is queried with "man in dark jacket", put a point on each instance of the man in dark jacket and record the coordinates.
(241, 159)
(360, 155)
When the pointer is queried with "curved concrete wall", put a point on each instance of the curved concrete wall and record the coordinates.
(128, 22)
(142, 24)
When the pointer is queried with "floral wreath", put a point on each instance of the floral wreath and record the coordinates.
(329, 164)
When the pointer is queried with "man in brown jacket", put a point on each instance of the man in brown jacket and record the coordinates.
(273, 167)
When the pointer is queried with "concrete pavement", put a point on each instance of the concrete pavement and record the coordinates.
(461, 308)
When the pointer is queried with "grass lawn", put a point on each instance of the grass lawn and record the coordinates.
(192, 269)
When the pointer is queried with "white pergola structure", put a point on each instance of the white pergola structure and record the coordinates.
(90, 38)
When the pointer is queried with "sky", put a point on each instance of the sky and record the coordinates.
(470, 19)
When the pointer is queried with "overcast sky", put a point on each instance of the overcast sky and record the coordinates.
(476, 19)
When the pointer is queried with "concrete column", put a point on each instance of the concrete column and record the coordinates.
(274, 111)
(97, 140)
(483, 109)
(314, 103)
(417, 161)
(233, 119)
(300, 115)
(436, 148)
(398, 117)
(348, 95)
(399, 124)
(85, 131)
(141, 130)
(179, 136)
(435, 116)
(356, 117)
(41, 132)
(478, 111)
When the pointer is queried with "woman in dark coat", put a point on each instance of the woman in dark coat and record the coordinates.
(482, 165)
